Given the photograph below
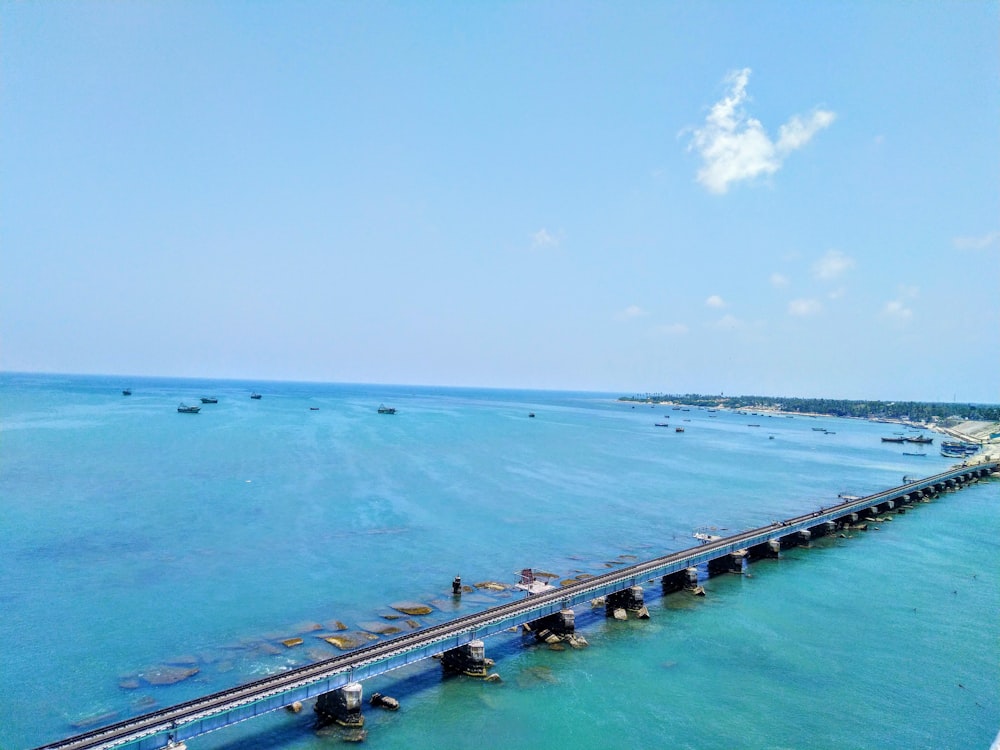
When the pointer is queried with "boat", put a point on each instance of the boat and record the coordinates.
(313, 408)
(679, 429)
(185, 409)
(660, 424)
(383, 409)
(532, 585)
(531, 414)
(209, 400)
(126, 391)
(920, 439)
(819, 429)
(893, 440)
(255, 395)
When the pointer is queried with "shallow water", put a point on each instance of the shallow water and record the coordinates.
(137, 537)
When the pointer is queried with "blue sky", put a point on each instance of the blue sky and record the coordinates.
(775, 198)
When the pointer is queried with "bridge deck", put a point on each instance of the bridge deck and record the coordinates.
(227, 707)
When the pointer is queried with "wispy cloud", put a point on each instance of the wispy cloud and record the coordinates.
(779, 280)
(543, 238)
(832, 265)
(729, 323)
(899, 309)
(715, 301)
(630, 312)
(671, 329)
(983, 242)
(734, 146)
(804, 307)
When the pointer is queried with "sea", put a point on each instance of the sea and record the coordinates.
(148, 557)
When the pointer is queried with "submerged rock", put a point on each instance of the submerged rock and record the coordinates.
(343, 642)
(413, 609)
(167, 675)
(382, 628)
(290, 642)
(620, 614)
(491, 586)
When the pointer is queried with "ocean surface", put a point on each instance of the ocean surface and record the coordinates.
(138, 542)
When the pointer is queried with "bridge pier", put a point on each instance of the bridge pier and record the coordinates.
(341, 706)
(731, 563)
(556, 627)
(469, 659)
(770, 549)
(824, 529)
(626, 600)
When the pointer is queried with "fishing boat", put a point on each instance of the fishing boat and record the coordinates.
(660, 424)
(920, 439)
(383, 409)
(679, 429)
(126, 391)
(185, 409)
(209, 400)
(893, 440)
(255, 395)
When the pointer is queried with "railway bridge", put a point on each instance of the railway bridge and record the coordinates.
(184, 721)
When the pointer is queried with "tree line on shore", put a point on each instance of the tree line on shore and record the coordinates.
(915, 411)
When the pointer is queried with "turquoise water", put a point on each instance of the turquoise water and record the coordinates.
(136, 537)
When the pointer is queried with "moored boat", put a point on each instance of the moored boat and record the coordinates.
(920, 439)
(209, 400)
(893, 440)
(255, 395)
(126, 391)
(185, 409)
(383, 409)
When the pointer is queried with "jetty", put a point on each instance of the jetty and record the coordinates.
(335, 682)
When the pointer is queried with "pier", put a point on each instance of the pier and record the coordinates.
(622, 586)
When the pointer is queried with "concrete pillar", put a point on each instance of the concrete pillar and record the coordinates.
(469, 659)
(675, 581)
(342, 706)
(769, 549)
(630, 599)
(555, 627)
(730, 563)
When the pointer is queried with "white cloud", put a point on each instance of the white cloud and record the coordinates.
(779, 280)
(632, 311)
(734, 146)
(715, 301)
(897, 309)
(832, 265)
(804, 307)
(671, 329)
(977, 243)
(543, 238)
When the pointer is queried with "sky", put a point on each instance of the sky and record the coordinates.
(768, 198)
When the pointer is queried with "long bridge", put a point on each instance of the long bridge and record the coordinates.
(175, 724)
